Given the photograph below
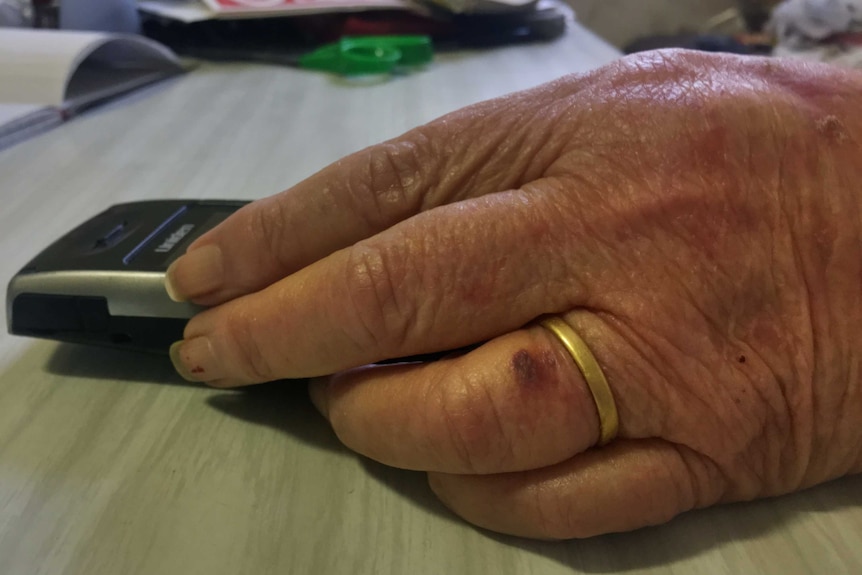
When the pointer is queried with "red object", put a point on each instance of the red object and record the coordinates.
(393, 24)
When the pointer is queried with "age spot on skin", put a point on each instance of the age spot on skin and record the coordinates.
(831, 128)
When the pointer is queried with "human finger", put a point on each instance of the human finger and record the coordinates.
(368, 192)
(488, 266)
(517, 402)
(623, 486)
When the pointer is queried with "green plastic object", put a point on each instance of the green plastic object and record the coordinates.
(362, 55)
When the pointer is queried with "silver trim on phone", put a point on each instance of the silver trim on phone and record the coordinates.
(133, 294)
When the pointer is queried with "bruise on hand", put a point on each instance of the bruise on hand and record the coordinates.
(530, 369)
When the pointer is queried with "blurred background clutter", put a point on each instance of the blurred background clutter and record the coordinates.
(260, 29)
(821, 30)
(622, 22)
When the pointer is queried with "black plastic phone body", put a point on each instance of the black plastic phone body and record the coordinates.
(103, 282)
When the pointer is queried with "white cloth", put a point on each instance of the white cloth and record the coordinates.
(848, 57)
(802, 29)
(798, 23)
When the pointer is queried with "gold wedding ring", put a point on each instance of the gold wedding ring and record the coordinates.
(609, 421)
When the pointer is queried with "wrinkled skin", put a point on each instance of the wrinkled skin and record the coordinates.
(697, 219)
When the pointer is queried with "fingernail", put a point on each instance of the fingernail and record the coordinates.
(195, 360)
(195, 273)
(317, 393)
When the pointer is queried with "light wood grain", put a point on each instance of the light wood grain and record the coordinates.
(110, 465)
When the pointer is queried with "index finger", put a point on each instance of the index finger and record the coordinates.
(366, 193)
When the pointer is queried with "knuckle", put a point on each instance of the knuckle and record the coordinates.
(391, 180)
(471, 427)
(700, 483)
(375, 285)
(249, 352)
(267, 226)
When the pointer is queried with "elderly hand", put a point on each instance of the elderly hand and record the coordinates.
(696, 219)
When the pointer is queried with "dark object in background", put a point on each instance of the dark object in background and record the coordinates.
(281, 40)
(542, 23)
(702, 42)
(46, 14)
(756, 13)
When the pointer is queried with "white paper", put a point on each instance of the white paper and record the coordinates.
(21, 121)
(48, 75)
(37, 66)
(484, 6)
(187, 11)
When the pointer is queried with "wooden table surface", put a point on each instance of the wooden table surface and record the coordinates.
(109, 464)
